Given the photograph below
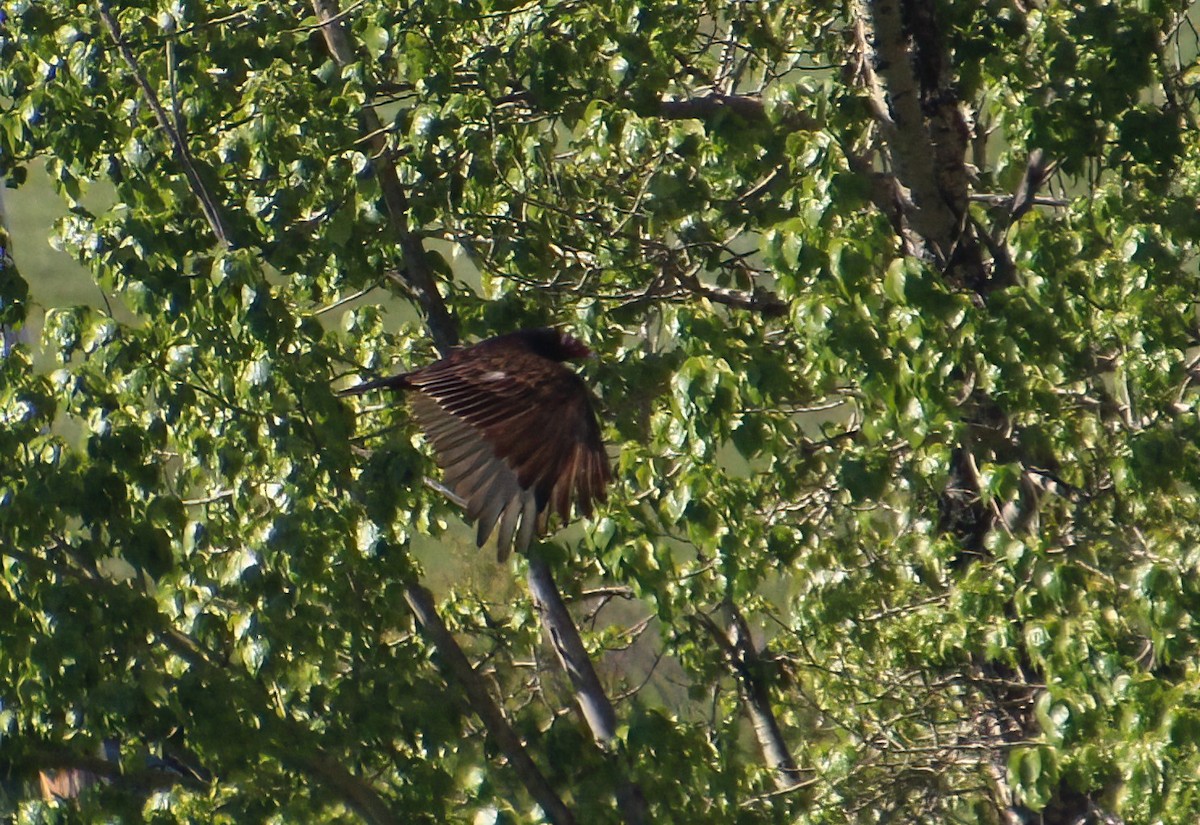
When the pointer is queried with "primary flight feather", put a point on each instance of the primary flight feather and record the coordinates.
(514, 430)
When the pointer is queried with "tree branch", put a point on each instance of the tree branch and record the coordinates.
(597, 708)
(1037, 172)
(455, 661)
(63, 773)
(208, 205)
(8, 336)
(358, 794)
(354, 791)
(593, 702)
(746, 662)
(1009, 201)
(417, 272)
(749, 107)
(762, 301)
(926, 138)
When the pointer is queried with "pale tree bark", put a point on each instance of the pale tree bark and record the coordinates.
(590, 696)
(925, 130)
(746, 661)
(933, 210)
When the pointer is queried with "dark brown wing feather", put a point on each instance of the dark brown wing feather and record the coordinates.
(516, 436)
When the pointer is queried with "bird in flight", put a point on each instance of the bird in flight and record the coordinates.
(514, 430)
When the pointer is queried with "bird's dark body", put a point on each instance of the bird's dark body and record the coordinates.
(514, 430)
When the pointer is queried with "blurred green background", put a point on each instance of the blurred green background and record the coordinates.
(55, 279)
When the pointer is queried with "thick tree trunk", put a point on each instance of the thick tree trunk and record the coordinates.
(906, 68)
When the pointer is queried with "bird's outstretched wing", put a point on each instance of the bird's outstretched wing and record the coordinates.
(517, 438)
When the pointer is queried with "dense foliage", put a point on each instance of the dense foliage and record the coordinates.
(895, 304)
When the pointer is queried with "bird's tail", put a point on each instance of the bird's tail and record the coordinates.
(394, 382)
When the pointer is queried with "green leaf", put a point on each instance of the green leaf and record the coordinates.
(376, 39)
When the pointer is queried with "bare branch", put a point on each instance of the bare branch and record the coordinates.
(762, 301)
(746, 662)
(995, 199)
(1037, 172)
(749, 107)
(445, 334)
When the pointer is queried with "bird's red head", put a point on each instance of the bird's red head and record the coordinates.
(573, 347)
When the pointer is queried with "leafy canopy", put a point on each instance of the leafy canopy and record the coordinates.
(919, 492)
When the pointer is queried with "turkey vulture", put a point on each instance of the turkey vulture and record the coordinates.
(514, 430)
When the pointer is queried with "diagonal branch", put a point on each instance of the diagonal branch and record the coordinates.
(421, 603)
(419, 277)
(64, 774)
(593, 702)
(356, 792)
(746, 662)
(417, 271)
(208, 205)
(597, 707)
